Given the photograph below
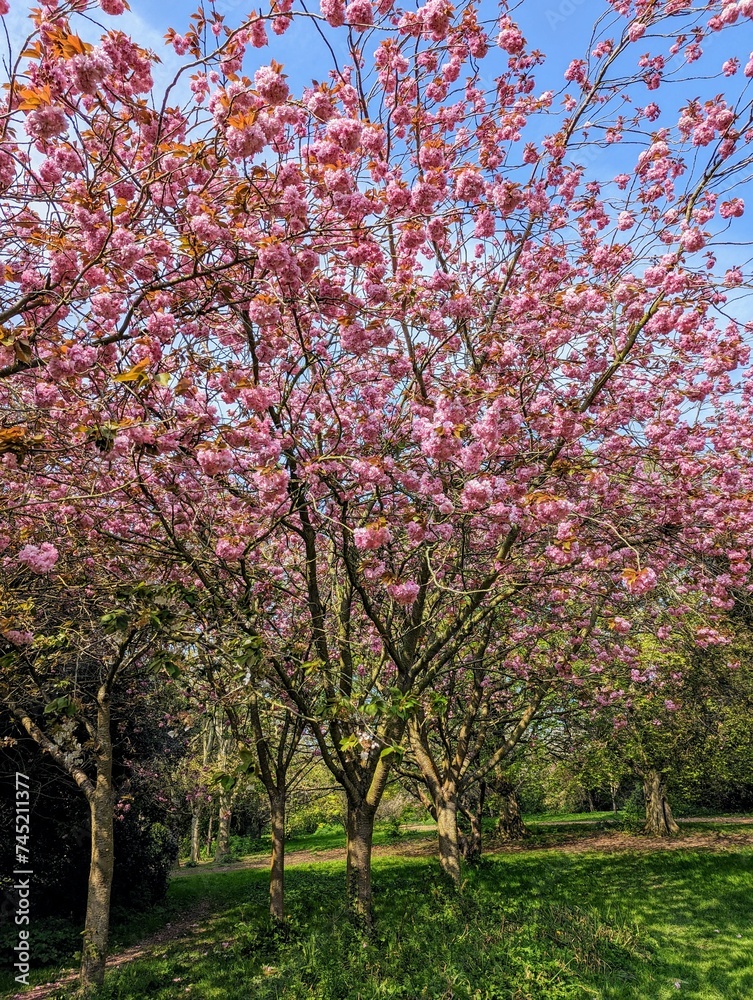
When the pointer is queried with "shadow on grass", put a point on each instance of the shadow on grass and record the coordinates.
(535, 926)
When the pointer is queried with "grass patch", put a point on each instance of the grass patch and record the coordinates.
(565, 817)
(534, 926)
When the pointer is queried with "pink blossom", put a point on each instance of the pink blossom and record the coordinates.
(16, 636)
(436, 18)
(692, 240)
(215, 461)
(576, 71)
(346, 132)
(469, 185)
(640, 582)
(621, 625)
(46, 122)
(625, 221)
(39, 558)
(258, 34)
(90, 69)
(271, 85)
(404, 593)
(485, 225)
(510, 39)
(373, 536)
(477, 494)
(732, 209)
(113, 7)
(359, 14)
(226, 549)
(333, 11)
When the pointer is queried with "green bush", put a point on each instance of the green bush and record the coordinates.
(54, 942)
(633, 812)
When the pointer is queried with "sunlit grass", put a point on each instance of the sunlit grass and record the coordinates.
(535, 925)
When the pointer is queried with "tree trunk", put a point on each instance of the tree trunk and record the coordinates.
(613, 789)
(195, 833)
(447, 830)
(360, 831)
(97, 924)
(659, 819)
(210, 835)
(471, 844)
(511, 825)
(223, 827)
(277, 872)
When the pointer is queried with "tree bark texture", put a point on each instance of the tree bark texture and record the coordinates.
(195, 833)
(223, 826)
(210, 834)
(360, 832)
(471, 844)
(277, 871)
(447, 831)
(97, 924)
(659, 819)
(511, 825)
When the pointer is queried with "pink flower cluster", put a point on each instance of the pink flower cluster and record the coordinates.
(39, 558)
(226, 549)
(215, 461)
(373, 536)
(271, 85)
(404, 593)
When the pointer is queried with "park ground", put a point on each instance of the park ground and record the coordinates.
(579, 910)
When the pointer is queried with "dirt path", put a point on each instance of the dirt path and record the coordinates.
(180, 928)
(684, 819)
(606, 841)
(424, 847)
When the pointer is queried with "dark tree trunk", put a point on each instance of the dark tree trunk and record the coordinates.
(360, 833)
(659, 819)
(277, 871)
(510, 825)
(97, 923)
(471, 844)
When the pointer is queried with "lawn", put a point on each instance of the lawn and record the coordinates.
(537, 924)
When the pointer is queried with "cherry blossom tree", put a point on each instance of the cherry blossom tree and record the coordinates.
(387, 356)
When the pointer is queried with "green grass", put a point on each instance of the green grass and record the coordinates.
(536, 925)
(525, 927)
(565, 817)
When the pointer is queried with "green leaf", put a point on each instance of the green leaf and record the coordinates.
(227, 782)
(64, 704)
(115, 621)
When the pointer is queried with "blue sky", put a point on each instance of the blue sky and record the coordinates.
(561, 29)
